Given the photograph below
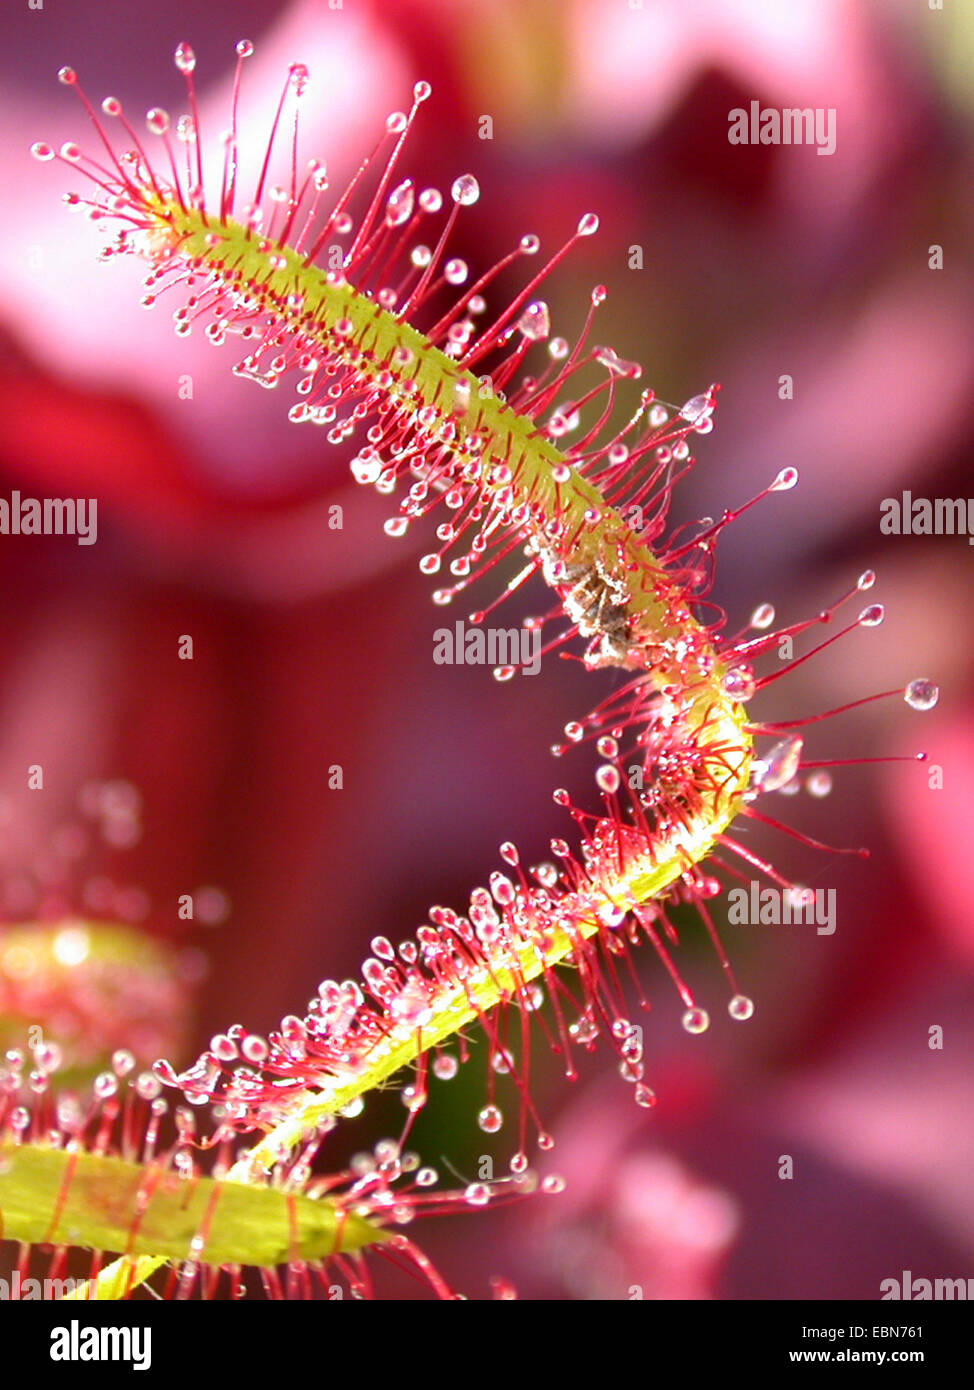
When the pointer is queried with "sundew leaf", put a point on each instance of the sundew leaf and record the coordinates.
(102, 1202)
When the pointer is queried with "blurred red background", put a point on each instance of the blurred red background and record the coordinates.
(313, 646)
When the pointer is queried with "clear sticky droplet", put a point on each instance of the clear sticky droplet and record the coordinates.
(739, 683)
(607, 778)
(535, 322)
(779, 766)
(588, 225)
(490, 1119)
(297, 76)
(785, 480)
(872, 616)
(157, 120)
(465, 190)
(763, 616)
(445, 1066)
(921, 694)
(741, 1007)
(697, 408)
(696, 1020)
(185, 58)
(818, 783)
(366, 469)
(399, 204)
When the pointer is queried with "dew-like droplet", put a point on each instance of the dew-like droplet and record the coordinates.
(112, 106)
(123, 1062)
(477, 1194)
(184, 58)
(421, 91)
(607, 778)
(698, 408)
(165, 1071)
(696, 1020)
(739, 683)
(445, 1066)
(465, 190)
(399, 204)
(47, 1057)
(643, 1096)
(872, 616)
(396, 526)
(502, 889)
(818, 783)
(612, 914)
(490, 1119)
(535, 322)
(147, 1085)
(740, 1007)
(254, 1048)
(921, 694)
(763, 616)
(157, 120)
(866, 580)
(588, 225)
(223, 1047)
(779, 765)
(366, 468)
(244, 48)
(785, 480)
(42, 151)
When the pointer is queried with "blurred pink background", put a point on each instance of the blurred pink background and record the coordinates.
(313, 646)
